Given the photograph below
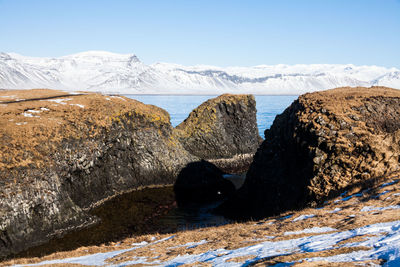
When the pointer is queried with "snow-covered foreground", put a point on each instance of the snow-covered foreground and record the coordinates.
(117, 73)
(383, 243)
(357, 227)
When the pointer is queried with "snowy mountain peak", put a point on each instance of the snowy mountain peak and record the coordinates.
(101, 55)
(125, 73)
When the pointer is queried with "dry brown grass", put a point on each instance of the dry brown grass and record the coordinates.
(26, 141)
(238, 235)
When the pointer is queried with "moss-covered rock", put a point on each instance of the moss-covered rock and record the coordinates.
(222, 130)
(322, 144)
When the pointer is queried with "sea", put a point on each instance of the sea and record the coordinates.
(179, 106)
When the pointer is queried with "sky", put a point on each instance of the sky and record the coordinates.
(217, 32)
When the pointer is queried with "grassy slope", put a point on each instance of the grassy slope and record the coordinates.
(348, 216)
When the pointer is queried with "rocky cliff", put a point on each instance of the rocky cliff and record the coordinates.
(223, 130)
(62, 154)
(322, 144)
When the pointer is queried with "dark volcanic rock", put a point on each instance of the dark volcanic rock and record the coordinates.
(222, 130)
(59, 159)
(201, 182)
(61, 155)
(323, 143)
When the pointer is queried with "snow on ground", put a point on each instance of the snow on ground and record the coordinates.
(349, 197)
(78, 105)
(59, 100)
(364, 231)
(30, 113)
(383, 243)
(371, 208)
(335, 210)
(118, 97)
(313, 230)
(303, 217)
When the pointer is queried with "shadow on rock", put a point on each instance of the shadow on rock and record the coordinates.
(201, 182)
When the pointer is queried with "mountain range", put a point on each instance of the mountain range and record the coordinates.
(124, 73)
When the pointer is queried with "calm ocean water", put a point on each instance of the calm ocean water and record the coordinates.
(179, 106)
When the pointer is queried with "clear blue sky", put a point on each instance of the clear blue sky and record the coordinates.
(217, 32)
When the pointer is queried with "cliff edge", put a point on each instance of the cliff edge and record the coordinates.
(62, 154)
(223, 130)
(322, 144)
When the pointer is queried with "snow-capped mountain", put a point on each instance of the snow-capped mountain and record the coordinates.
(117, 73)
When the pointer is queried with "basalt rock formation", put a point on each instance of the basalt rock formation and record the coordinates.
(63, 154)
(223, 130)
(322, 144)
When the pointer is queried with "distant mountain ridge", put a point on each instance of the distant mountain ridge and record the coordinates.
(125, 73)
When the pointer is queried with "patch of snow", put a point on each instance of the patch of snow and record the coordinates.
(164, 239)
(95, 259)
(33, 111)
(389, 183)
(383, 193)
(8, 96)
(335, 210)
(348, 197)
(29, 114)
(139, 244)
(44, 109)
(78, 105)
(21, 123)
(303, 217)
(383, 246)
(372, 208)
(383, 241)
(314, 230)
(190, 244)
(59, 100)
(115, 96)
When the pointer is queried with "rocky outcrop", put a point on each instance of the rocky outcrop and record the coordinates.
(322, 144)
(222, 130)
(201, 182)
(63, 154)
